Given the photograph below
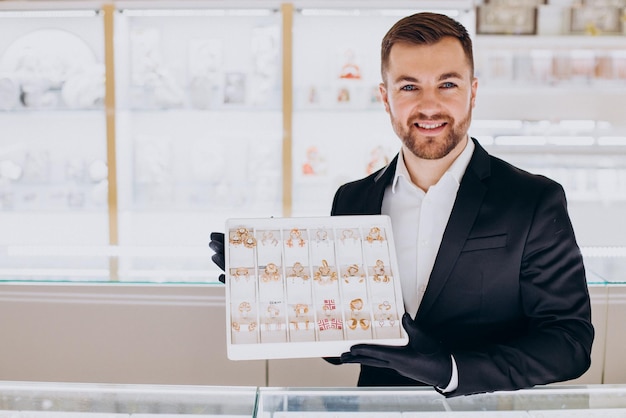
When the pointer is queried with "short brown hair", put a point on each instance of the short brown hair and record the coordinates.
(425, 29)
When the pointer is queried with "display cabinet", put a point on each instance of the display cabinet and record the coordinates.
(53, 162)
(199, 129)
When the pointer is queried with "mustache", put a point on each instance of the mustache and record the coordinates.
(438, 117)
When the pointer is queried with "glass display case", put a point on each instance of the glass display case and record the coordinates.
(54, 400)
(199, 130)
(77, 400)
(53, 162)
(543, 402)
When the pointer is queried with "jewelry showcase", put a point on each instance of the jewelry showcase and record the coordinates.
(310, 287)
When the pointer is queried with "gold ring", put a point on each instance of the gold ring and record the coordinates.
(249, 241)
(241, 272)
(295, 235)
(301, 309)
(384, 306)
(356, 304)
(273, 311)
(235, 239)
(347, 234)
(270, 273)
(374, 235)
(325, 271)
(268, 237)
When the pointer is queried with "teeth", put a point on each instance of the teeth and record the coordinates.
(430, 126)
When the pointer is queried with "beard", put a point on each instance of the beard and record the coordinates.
(431, 147)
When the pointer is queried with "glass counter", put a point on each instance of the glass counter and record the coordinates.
(48, 400)
(548, 401)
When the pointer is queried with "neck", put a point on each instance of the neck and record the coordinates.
(425, 173)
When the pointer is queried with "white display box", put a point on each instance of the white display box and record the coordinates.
(310, 287)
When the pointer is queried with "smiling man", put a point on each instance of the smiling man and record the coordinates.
(492, 277)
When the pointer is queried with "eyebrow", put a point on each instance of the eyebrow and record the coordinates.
(444, 76)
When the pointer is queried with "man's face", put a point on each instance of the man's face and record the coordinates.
(429, 93)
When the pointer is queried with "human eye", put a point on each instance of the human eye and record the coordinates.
(448, 85)
(408, 87)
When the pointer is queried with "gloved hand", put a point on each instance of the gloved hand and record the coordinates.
(217, 245)
(422, 359)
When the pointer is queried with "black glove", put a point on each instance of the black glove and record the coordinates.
(422, 359)
(217, 245)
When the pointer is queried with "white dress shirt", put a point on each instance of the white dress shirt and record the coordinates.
(418, 220)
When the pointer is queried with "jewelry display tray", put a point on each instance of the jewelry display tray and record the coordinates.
(310, 287)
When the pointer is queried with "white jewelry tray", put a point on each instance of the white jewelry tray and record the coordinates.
(310, 287)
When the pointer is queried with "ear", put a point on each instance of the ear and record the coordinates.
(382, 90)
(474, 89)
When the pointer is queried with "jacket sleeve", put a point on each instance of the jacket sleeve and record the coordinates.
(555, 299)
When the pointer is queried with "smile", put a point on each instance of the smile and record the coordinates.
(429, 125)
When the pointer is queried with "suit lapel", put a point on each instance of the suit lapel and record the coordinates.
(466, 206)
(374, 201)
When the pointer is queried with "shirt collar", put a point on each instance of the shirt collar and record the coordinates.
(457, 169)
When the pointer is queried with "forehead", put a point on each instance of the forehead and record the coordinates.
(444, 56)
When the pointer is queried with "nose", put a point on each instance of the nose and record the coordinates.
(428, 103)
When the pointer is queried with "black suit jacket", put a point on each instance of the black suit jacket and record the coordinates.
(507, 295)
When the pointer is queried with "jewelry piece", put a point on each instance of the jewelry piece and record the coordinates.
(322, 235)
(332, 323)
(249, 241)
(296, 325)
(297, 271)
(241, 272)
(273, 311)
(269, 238)
(242, 235)
(251, 326)
(356, 304)
(353, 271)
(329, 306)
(235, 239)
(295, 235)
(353, 322)
(325, 271)
(244, 308)
(379, 272)
(374, 235)
(347, 234)
(301, 309)
(385, 306)
(384, 314)
(270, 273)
